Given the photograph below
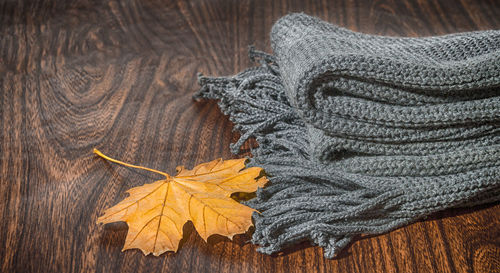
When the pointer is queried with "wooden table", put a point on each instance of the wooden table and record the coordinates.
(119, 76)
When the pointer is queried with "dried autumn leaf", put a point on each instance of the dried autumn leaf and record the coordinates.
(156, 212)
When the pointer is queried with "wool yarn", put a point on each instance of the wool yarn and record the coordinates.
(361, 134)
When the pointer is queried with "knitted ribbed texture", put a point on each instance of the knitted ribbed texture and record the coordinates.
(361, 134)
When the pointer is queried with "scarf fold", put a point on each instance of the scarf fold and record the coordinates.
(361, 134)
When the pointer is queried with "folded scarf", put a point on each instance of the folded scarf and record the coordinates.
(361, 134)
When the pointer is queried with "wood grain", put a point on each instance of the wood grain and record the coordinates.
(118, 75)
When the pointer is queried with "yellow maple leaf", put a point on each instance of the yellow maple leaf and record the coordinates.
(156, 213)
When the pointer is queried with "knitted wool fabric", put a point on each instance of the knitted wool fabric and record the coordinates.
(361, 134)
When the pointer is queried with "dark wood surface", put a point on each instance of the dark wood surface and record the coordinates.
(75, 75)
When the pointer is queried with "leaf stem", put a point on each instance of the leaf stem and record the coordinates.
(97, 152)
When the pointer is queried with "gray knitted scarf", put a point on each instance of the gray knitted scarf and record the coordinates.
(361, 134)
